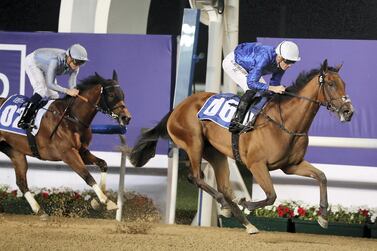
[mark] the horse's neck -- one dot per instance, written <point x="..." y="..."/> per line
<point x="85" y="111"/>
<point x="298" y="113"/>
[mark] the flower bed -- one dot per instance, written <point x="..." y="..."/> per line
<point x="358" y="222"/>
<point x="69" y="203"/>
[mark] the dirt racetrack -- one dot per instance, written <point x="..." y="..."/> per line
<point x="31" y="233"/>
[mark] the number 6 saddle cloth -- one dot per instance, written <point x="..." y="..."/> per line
<point x="220" y="109"/>
<point x="11" y="111"/>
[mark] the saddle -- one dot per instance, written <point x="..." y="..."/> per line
<point x="11" y="111"/>
<point x="220" y="109"/>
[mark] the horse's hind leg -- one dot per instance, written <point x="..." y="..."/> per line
<point x="90" y="159"/>
<point x="20" y="166"/>
<point x="73" y="159"/>
<point x="308" y="170"/>
<point x="220" y="165"/>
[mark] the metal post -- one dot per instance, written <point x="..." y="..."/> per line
<point x="122" y="173"/>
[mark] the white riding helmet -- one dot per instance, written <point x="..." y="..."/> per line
<point x="77" y="52"/>
<point x="288" y="50"/>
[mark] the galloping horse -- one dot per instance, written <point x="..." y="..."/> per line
<point x="279" y="139"/>
<point x="64" y="134"/>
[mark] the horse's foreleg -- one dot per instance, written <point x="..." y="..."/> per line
<point x="262" y="177"/>
<point x="90" y="159"/>
<point x="74" y="160"/>
<point x="308" y="170"/>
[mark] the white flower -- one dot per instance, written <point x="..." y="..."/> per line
<point x="87" y="197"/>
<point x="373" y="217"/>
<point x="295" y="211"/>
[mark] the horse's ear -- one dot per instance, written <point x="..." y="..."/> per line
<point x="324" y="66"/>
<point x="338" y="67"/>
<point x="115" y="75"/>
<point x="97" y="75"/>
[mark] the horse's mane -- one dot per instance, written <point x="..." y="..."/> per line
<point x="90" y="82"/>
<point x="303" y="79"/>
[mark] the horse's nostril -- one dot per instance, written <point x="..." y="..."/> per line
<point x="126" y="119"/>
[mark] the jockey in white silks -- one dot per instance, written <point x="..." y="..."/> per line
<point x="42" y="66"/>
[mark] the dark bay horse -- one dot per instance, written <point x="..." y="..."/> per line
<point x="65" y="134"/>
<point x="279" y="140"/>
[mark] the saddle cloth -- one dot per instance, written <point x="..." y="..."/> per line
<point x="11" y="111"/>
<point x="220" y="109"/>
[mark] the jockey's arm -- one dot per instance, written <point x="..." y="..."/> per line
<point x="50" y="78"/>
<point x="275" y="80"/>
<point x="255" y="75"/>
<point x="72" y="81"/>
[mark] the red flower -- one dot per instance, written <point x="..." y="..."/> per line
<point x="45" y="195"/>
<point x="301" y="211"/>
<point x="364" y="212"/>
<point x="77" y="196"/>
<point x="14" y="193"/>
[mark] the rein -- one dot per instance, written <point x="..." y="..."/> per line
<point x="327" y="104"/>
<point x="107" y="111"/>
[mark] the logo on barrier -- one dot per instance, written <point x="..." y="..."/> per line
<point x="12" y="71"/>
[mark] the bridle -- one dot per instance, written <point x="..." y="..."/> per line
<point x="107" y="110"/>
<point x="329" y="104"/>
<point x="103" y="107"/>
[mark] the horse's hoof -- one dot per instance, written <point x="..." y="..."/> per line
<point x="44" y="217"/>
<point x="95" y="205"/>
<point x="251" y="229"/>
<point x="226" y="212"/>
<point x="323" y="222"/>
<point x="111" y="205"/>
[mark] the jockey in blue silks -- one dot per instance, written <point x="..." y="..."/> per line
<point x="248" y="63"/>
<point x="42" y="66"/>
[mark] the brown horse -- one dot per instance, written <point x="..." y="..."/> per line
<point x="279" y="139"/>
<point x="64" y="134"/>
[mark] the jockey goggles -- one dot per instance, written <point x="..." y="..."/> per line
<point x="289" y="61"/>
<point x="78" y="62"/>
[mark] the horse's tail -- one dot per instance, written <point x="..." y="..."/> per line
<point x="145" y="147"/>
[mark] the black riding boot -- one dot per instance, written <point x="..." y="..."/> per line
<point x="29" y="112"/>
<point x="244" y="104"/>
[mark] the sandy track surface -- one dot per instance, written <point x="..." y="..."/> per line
<point x="31" y="233"/>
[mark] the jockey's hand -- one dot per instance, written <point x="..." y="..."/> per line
<point x="72" y="92"/>
<point x="277" y="89"/>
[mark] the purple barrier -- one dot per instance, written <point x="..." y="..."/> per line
<point x="143" y="62"/>
<point x="358" y="61"/>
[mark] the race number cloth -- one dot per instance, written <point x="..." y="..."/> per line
<point x="11" y="111"/>
<point x="220" y="109"/>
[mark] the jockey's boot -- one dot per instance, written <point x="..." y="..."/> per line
<point x="236" y="125"/>
<point x="29" y="112"/>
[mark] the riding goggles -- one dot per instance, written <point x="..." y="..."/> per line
<point x="289" y="61"/>
<point x="78" y="62"/>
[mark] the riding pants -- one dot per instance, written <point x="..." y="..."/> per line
<point x="236" y="72"/>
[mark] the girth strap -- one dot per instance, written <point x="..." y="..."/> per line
<point x="32" y="143"/>
<point x="235" y="149"/>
